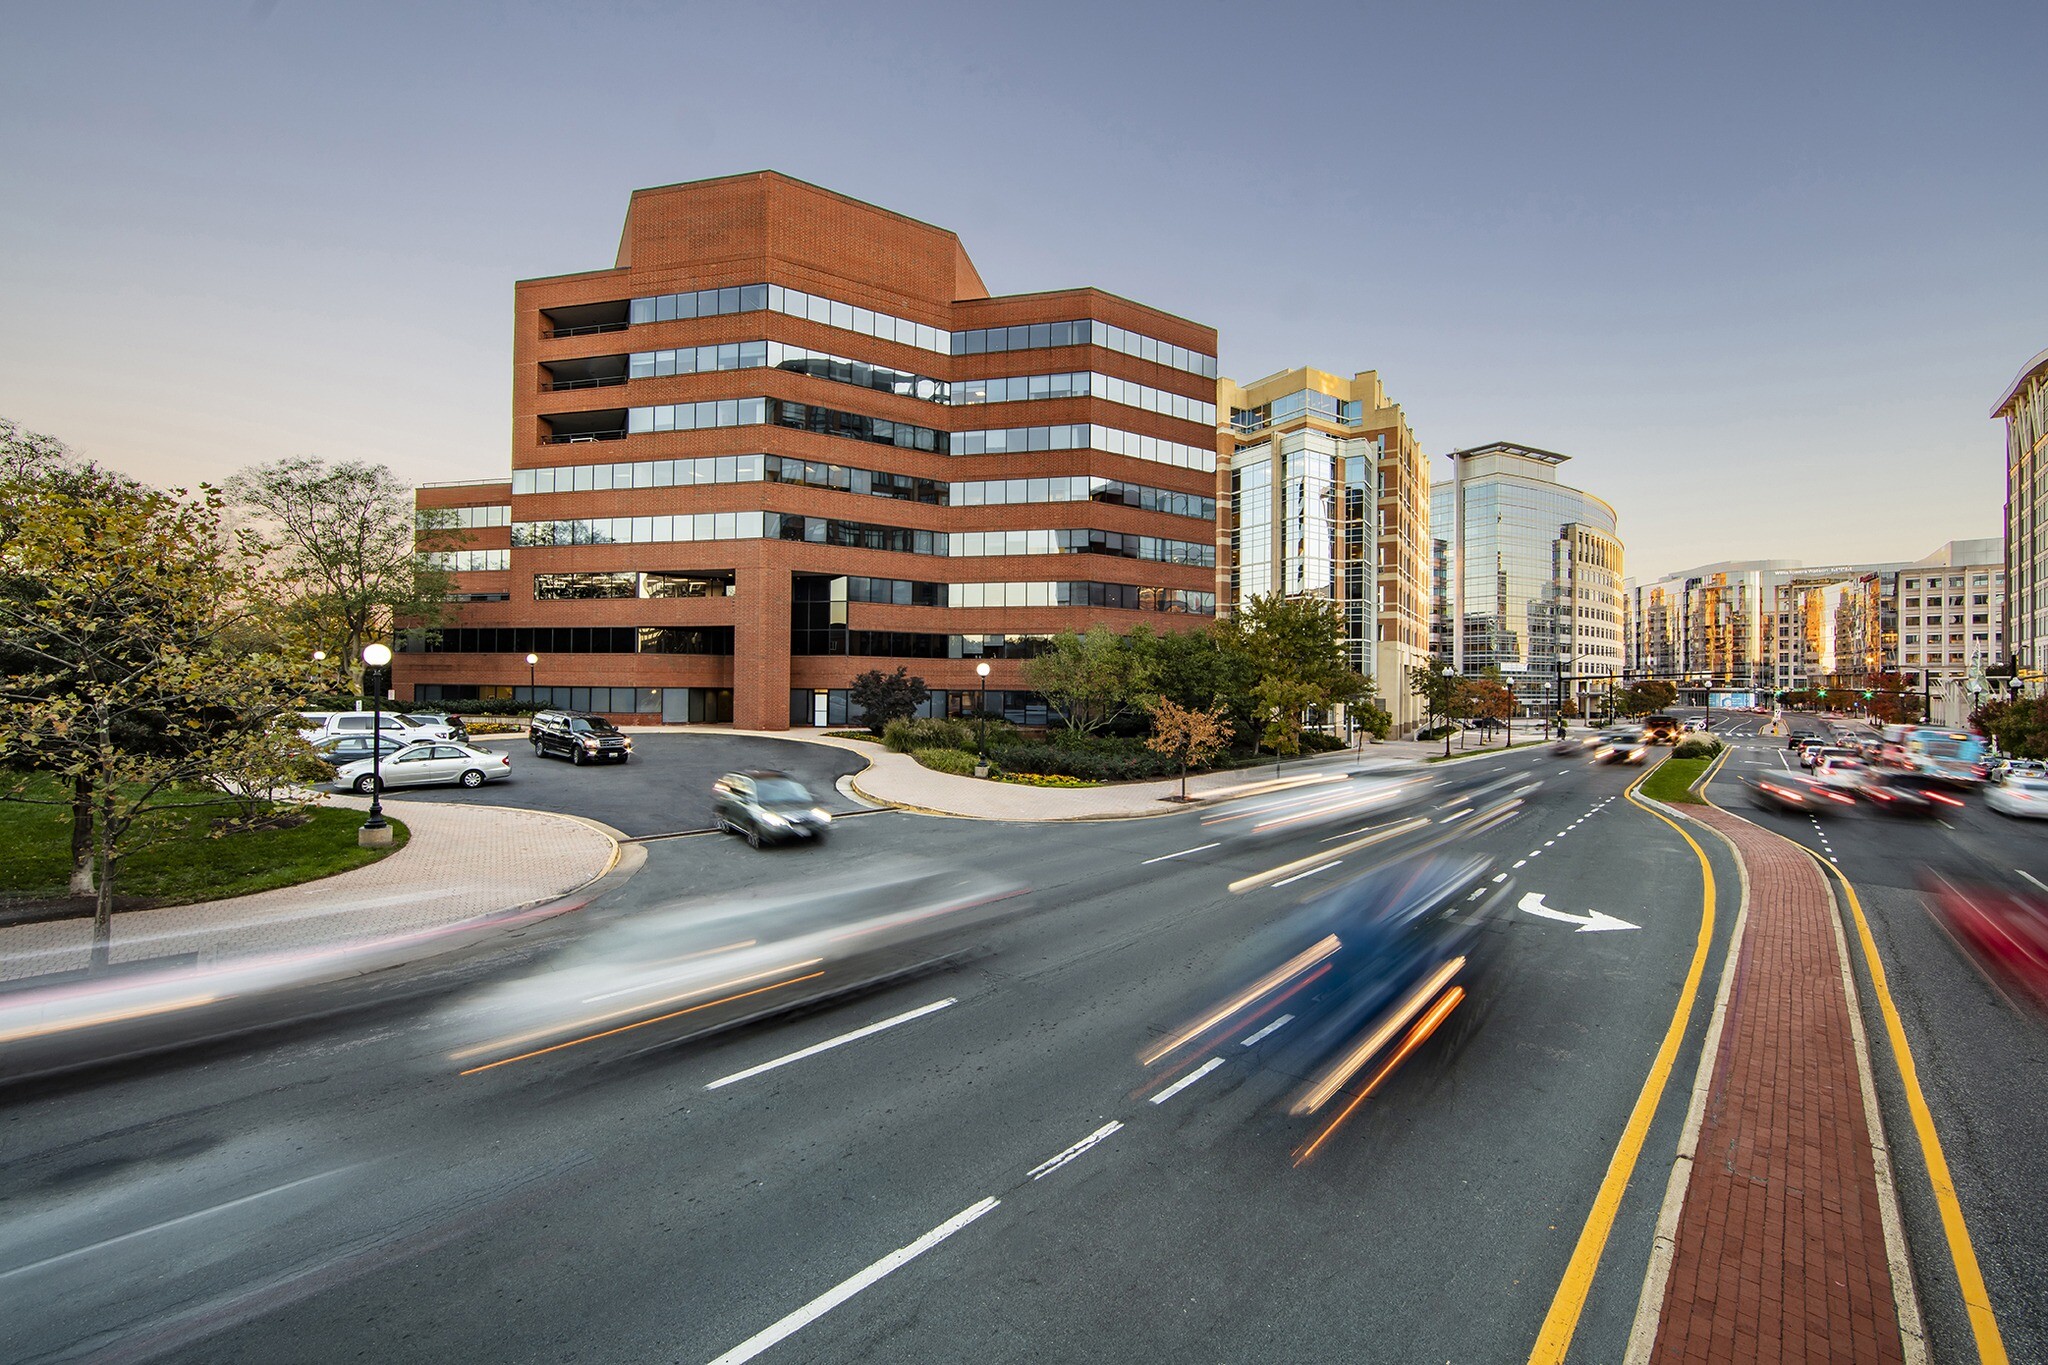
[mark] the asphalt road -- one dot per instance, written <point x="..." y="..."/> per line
<point x="1982" y="1059"/>
<point x="664" y="789"/>
<point x="341" y="1193"/>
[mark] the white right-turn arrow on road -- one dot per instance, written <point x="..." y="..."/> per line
<point x="1592" y="922"/>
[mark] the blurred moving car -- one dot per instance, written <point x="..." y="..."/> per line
<point x="1899" y="793"/>
<point x="1291" y="806"/>
<point x="1843" y="772"/>
<point x="578" y="737"/>
<point x="696" y="966"/>
<point x="1661" y="728"/>
<point x="2023" y="794"/>
<point x="2005" y="930"/>
<point x="768" y="807"/>
<point x="1621" y="746"/>
<point x="1790" y="792"/>
<point x="1812" y="754"/>
<point x="424" y="764"/>
<point x="1348" y="984"/>
<point x="338" y="751"/>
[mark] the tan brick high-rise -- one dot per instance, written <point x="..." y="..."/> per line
<point x="789" y="437"/>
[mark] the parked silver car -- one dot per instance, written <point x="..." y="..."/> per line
<point x="419" y="765"/>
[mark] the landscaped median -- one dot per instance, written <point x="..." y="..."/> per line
<point x="1672" y="780"/>
<point x="184" y="856"/>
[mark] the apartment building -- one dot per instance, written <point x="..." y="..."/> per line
<point x="1323" y="492"/>
<point x="1951" y="611"/>
<point x="788" y="437"/>
<point x="1834" y="626"/>
<point x="1706" y="629"/>
<point x="1527" y="575"/>
<point x="2024" y="408"/>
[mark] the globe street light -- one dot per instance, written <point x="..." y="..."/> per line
<point x="981" y="719"/>
<point x="531" y="661"/>
<point x="375" y="833"/>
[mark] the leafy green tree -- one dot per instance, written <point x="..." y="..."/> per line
<point x="127" y="614"/>
<point x="1095" y="679"/>
<point x="1296" y="646"/>
<point x="1206" y="668"/>
<point x="345" y="559"/>
<point x="2019" y="725"/>
<point x="883" y="697"/>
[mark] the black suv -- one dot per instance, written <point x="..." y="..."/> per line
<point x="578" y="738"/>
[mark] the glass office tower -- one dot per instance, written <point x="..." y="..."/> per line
<point x="1531" y="577"/>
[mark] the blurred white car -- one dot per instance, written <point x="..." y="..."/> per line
<point x="1841" y="772"/>
<point x="423" y="764"/>
<point x="2020" y="795"/>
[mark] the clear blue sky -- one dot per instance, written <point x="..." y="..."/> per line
<point x="1760" y="269"/>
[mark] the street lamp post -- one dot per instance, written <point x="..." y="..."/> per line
<point x="375" y="833"/>
<point x="1557" y="705"/>
<point x="532" y="660"/>
<point x="981" y="722"/>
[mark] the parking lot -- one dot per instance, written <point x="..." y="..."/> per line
<point x="665" y="789"/>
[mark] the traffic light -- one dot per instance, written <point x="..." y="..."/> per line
<point x="1823" y="692"/>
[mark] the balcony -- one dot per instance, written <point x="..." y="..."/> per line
<point x="594" y="372"/>
<point x="571" y="428"/>
<point x="586" y="319"/>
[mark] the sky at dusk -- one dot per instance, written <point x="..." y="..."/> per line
<point x="1760" y="270"/>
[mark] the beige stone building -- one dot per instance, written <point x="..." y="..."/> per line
<point x="1322" y="491"/>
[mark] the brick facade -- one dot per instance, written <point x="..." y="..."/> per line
<point x="766" y="229"/>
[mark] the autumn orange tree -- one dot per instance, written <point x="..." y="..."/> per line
<point x="1487" y="699"/>
<point x="1188" y="736"/>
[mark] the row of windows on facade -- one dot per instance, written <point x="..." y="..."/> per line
<point x="1981" y="599"/>
<point x="545" y="640"/>
<point x="555" y="587"/>
<point x="1956" y="581"/>
<point x="693" y="705"/>
<point x="740" y="412"/>
<point x="1305" y="402"/>
<point x="848" y="317"/>
<point x="719" y="469"/>
<point x="706" y="526"/>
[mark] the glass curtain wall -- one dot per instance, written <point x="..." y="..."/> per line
<point x="1251" y="514"/>
<point x="1517" y="576"/>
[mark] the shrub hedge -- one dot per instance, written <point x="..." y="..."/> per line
<point x="1098" y="760"/>
<point x="946" y="761"/>
<point x="907" y="736"/>
<point x="1697" y="748"/>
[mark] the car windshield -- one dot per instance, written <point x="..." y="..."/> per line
<point x="781" y="791"/>
<point x="595" y="725"/>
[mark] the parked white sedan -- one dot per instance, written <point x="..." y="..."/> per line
<point x="2018" y="795"/>
<point x="421" y="764"/>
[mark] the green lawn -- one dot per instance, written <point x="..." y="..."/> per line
<point x="1670" y="780"/>
<point x="189" y="863"/>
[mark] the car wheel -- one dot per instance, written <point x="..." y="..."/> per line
<point x="472" y="777"/>
<point x="753" y="838"/>
<point x="367" y="784"/>
<point x="575" y="758"/>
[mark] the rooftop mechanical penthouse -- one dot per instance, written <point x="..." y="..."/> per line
<point x="789" y="437"/>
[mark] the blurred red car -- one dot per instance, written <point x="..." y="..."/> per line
<point x="2005" y="930"/>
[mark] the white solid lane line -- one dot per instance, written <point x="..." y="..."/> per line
<point x="1182" y="854"/>
<point x="2032" y="878"/>
<point x="846" y="1289"/>
<point x="169" y="1223"/>
<point x="1310" y="873"/>
<point x="815" y="1048"/>
<point x="1284" y="1020"/>
<point x="1053" y="1163"/>
<point x="1184" y="1082"/>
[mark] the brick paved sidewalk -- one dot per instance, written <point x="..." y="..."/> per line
<point x="1780" y="1248"/>
<point x="462" y="862"/>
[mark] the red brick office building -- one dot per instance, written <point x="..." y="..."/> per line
<point x="789" y="437"/>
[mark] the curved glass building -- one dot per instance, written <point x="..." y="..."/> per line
<point x="1527" y="576"/>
